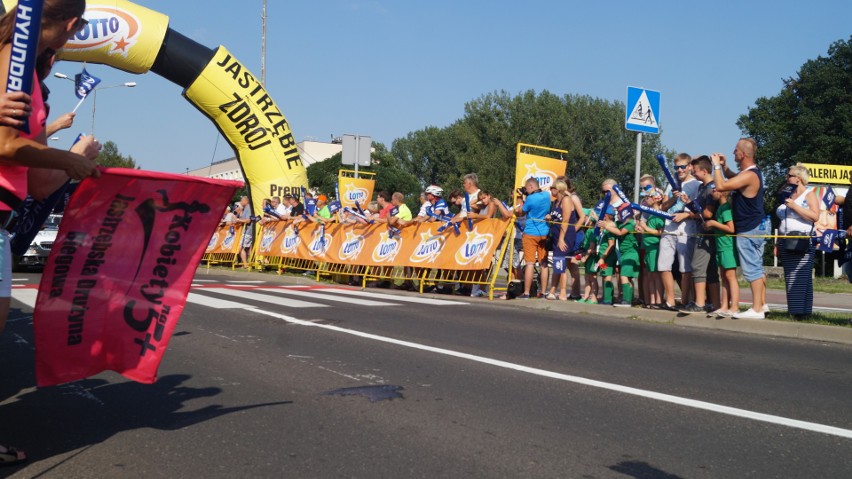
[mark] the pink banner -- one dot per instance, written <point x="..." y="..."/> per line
<point x="117" y="278"/>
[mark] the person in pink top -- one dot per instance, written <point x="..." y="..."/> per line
<point x="27" y="164"/>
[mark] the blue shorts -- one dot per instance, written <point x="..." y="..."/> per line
<point x="750" y="252"/>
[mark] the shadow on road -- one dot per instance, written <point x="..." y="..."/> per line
<point x="641" y="470"/>
<point x="55" y="420"/>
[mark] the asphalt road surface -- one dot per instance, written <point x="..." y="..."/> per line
<point x="447" y="387"/>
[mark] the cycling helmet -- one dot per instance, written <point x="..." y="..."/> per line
<point x="435" y="190"/>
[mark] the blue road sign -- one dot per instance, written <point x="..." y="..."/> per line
<point x="643" y="110"/>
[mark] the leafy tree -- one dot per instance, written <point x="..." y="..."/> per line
<point x="110" y="157"/>
<point x="390" y="175"/>
<point x="484" y="141"/>
<point x="809" y="120"/>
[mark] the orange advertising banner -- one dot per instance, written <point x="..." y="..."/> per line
<point x="543" y="168"/>
<point x="355" y="189"/>
<point x="417" y="246"/>
<point x="225" y="240"/>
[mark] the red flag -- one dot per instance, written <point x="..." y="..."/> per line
<point x="119" y="272"/>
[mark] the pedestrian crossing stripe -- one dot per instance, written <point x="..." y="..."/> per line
<point x="312" y="297"/>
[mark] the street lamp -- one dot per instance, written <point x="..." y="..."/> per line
<point x="129" y="84"/>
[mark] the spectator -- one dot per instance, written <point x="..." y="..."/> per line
<point x="607" y="255"/>
<point x="297" y="209"/>
<point x="726" y="257"/>
<point x="534" y="204"/>
<point x="471" y="188"/>
<point x="705" y="273"/>
<point x="22" y="152"/>
<point x="647" y="187"/>
<point x="244" y="218"/>
<point x="845" y="203"/>
<point x="228" y="217"/>
<point x="624" y="232"/>
<point x="403" y="214"/>
<point x="748" y="212"/>
<point x="573" y="267"/>
<point x="383" y="200"/>
<point x="563" y="229"/>
<point x="651" y="227"/>
<point x="678" y="239"/>
<point x="422" y="214"/>
<point x="798" y="213"/>
<point x="590" y="265"/>
<point x="323" y="214"/>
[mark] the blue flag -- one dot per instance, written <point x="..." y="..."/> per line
<point x="84" y="83"/>
<point x="828" y="198"/>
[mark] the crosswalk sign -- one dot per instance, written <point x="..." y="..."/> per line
<point x="643" y="110"/>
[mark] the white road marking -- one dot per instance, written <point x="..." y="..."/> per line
<point x="246" y="281"/>
<point x="19" y="279"/>
<point x="265" y="298"/>
<point x="328" y="297"/>
<point x="693" y="403"/>
<point x="215" y="303"/>
<point x="393" y="297"/>
<point x="25" y="295"/>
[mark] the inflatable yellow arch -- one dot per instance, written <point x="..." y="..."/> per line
<point x="135" y="39"/>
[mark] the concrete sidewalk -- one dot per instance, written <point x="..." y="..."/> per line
<point x="765" y="327"/>
<point x="833" y="302"/>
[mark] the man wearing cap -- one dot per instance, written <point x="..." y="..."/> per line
<point x="323" y="214"/>
<point x="705" y="273"/>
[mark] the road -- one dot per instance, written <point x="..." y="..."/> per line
<point x="488" y="390"/>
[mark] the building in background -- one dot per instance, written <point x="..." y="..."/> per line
<point x="310" y="151"/>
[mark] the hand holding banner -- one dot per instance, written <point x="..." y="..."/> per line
<point x="672" y="180"/>
<point x="652" y="211"/>
<point x="84" y="83"/>
<point x="25" y="38"/>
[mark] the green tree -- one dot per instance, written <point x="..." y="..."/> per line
<point x="390" y="175"/>
<point x="484" y="142"/>
<point x="809" y="120"/>
<point x="111" y="157"/>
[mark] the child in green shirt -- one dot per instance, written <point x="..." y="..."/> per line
<point x="651" y="229"/>
<point x="726" y="255"/>
<point x="628" y="248"/>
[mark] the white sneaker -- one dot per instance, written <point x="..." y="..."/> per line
<point x="765" y="308"/>
<point x="749" y="314"/>
<point x="720" y="313"/>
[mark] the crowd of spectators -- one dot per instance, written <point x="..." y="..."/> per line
<point x="692" y="238"/>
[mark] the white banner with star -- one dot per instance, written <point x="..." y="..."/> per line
<point x="416" y="246"/>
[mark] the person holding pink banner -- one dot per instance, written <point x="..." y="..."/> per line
<point x="61" y="19"/>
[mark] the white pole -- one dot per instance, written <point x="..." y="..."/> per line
<point x="638" y="167"/>
<point x="263" y="47"/>
<point x="94" y="105"/>
<point x="357" y="154"/>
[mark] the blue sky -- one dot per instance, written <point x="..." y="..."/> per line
<point x="385" y="68"/>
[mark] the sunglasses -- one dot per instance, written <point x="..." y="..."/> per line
<point x="80" y="24"/>
<point x="681" y="167"/>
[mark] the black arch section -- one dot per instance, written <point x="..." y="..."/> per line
<point x="181" y="59"/>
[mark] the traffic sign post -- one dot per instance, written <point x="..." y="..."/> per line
<point x="356" y="151"/>
<point x="642" y="116"/>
